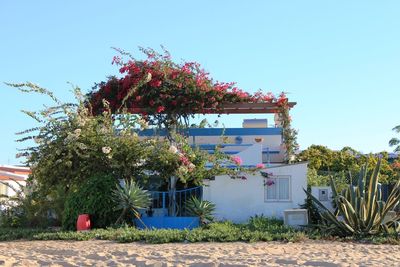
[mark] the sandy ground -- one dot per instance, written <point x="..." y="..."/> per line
<point x="106" y="253"/>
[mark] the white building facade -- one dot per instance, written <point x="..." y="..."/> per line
<point x="255" y="143"/>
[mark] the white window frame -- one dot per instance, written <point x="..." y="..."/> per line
<point x="277" y="199"/>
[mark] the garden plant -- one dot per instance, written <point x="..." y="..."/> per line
<point x="360" y="208"/>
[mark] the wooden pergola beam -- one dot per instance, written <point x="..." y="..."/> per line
<point x="239" y="108"/>
<point x="249" y="108"/>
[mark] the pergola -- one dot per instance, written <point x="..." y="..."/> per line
<point x="239" y="108"/>
<point x="250" y="108"/>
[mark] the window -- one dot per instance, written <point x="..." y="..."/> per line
<point x="277" y="188"/>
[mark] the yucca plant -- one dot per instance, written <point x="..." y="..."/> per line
<point x="360" y="208"/>
<point x="130" y="198"/>
<point x="203" y="209"/>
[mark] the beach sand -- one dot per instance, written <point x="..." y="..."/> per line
<point x="107" y="253"/>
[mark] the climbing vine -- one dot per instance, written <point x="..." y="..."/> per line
<point x="289" y="134"/>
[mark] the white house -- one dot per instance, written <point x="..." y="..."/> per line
<point x="238" y="199"/>
<point x="255" y="143"/>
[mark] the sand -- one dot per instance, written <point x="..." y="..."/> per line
<point x="107" y="253"/>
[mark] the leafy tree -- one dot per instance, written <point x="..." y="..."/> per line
<point x="343" y="165"/>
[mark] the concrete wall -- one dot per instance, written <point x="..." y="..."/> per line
<point x="237" y="199"/>
<point x="317" y="191"/>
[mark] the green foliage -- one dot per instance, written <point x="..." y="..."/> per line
<point x="130" y="198"/>
<point x="203" y="209"/>
<point x="71" y="145"/>
<point x="12" y="212"/>
<point x="22" y="210"/>
<point x="314" y="218"/>
<point x="361" y="207"/>
<point x="289" y="134"/>
<point x="257" y="229"/>
<point x="342" y="165"/>
<point x="262" y="223"/>
<point x="92" y="197"/>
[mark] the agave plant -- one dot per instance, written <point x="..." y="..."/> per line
<point x="130" y="197"/>
<point x="201" y="208"/>
<point x="360" y="208"/>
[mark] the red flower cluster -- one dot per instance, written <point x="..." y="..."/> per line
<point x="396" y="165"/>
<point x="158" y="85"/>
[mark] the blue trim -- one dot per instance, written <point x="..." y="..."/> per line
<point x="271" y="151"/>
<point x="216" y="131"/>
<point x="231" y="152"/>
<point x="152" y="132"/>
<point x="225" y="152"/>
<point x="179" y="191"/>
<point x="234" y="131"/>
<point x="213" y="146"/>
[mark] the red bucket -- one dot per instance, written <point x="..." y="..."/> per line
<point x="83" y="222"/>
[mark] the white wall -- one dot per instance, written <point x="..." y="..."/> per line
<point x="273" y="142"/>
<point x="315" y="190"/>
<point x="237" y="199"/>
<point x="11" y="192"/>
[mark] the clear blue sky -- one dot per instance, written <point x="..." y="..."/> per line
<point x="340" y="60"/>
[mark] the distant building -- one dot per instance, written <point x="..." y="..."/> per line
<point x="12" y="175"/>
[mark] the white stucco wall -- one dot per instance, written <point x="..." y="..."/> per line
<point x="315" y="191"/>
<point x="273" y="142"/>
<point x="237" y="199"/>
<point x="11" y="192"/>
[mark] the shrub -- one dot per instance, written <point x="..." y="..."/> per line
<point x="201" y="208"/>
<point x="93" y="197"/>
<point x="360" y="207"/>
<point x="130" y="198"/>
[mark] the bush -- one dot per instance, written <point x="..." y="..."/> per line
<point x="260" y="229"/>
<point x="360" y="208"/>
<point x="203" y="209"/>
<point x="93" y="197"/>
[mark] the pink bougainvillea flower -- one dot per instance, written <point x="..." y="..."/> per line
<point x="260" y="166"/>
<point x="237" y="160"/>
<point x="185" y="160"/>
<point x="270" y="182"/>
<point x="160" y="109"/>
<point x="116" y="60"/>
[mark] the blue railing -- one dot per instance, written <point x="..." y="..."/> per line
<point x="161" y="199"/>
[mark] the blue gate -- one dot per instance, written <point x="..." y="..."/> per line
<point x="160" y="199"/>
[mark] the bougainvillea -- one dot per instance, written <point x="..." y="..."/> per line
<point x="167" y="94"/>
<point x="164" y="91"/>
